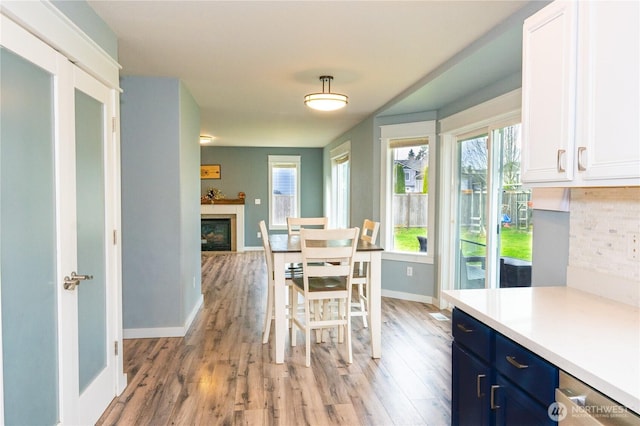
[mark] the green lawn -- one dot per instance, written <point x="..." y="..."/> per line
<point x="515" y="243"/>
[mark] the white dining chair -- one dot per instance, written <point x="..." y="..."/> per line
<point x="360" y="278"/>
<point x="295" y="224"/>
<point x="268" y="255"/>
<point x="327" y="270"/>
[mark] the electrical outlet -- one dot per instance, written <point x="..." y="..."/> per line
<point x="259" y="234"/>
<point x="257" y="201"/>
<point x="633" y="247"/>
<point x="409" y="271"/>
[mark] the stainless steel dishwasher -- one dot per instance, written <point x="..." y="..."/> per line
<point x="577" y="404"/>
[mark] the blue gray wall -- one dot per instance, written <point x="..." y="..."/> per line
<point x="247" y="170"/>
<point x="88" y="20"/>
<point x="550" y="248"/>
<point x="160" y="168"/>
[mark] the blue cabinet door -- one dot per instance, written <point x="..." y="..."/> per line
<point x="512" y="406"/>
<point x="469" y="388"/>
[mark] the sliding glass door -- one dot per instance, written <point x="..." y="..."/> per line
<point x="494" y="229"/>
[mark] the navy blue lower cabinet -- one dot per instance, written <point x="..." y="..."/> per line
<point x="512" y="406"/>
<point x="494" y="380"/>
<point x="470" y="389"/>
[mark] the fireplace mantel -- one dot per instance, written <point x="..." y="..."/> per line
<point x="228" y="210"/>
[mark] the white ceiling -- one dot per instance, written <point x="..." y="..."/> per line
<point x="249" y="64"/>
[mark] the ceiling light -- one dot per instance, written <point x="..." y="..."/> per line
<point x="326" y="101"/>
<point x="205" y="139"/>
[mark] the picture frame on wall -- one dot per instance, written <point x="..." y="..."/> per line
<point x="210" y="171"/>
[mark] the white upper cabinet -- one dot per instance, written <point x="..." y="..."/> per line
<point x="581" y="94"/>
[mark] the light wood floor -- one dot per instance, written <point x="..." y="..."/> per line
<point x="221" y="373"/>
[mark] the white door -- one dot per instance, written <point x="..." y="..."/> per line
<point x="58" y="337"/>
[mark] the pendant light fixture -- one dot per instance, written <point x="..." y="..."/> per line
<point x="326" y="101"/>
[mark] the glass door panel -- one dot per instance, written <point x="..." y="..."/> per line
<point x="472" y="205"/>
<point x="90" y="207"/>
<point x="28" y="246"/>
<point x="514" y="205"/>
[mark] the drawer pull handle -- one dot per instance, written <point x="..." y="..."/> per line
<point x="464" y="329"/>
<point x="512" y="361"/>
<point x="493" y="397"/>
<point x="478" y="391"/>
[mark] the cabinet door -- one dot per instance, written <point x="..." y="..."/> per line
<point x="511" y="406"/>
<point x="548" y="93"/>
<point x="470" y="389"/>
<point x="608" y="133"/>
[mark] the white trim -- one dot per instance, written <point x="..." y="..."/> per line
<point x="156" y="332"/>
<point x="408" y="296"/>
<point x="49" y="24"/>
<point x="341" y="150"/>
<point x="407" y="257"/>
<point x="193" y="313"/>
<point x="419" y="129"/>
<point x="502" y="110"/>
<point x="503" y="107"/>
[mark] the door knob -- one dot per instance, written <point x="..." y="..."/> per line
<point x="70" y="283"/>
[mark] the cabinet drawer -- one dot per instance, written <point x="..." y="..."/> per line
<point x="472" y="334"/>
<point x="533" y="374"/>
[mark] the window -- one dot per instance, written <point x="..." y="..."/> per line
<point x="284" y="189"/>
<point x="340" y="186"/>
<point x="408" y="172"/>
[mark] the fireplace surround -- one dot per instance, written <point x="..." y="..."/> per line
<point x="233" y="212"/>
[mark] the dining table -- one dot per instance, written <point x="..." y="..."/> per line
<point x="286" y="250"/>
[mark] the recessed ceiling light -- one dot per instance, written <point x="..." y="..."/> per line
<point x="205" y="139"/>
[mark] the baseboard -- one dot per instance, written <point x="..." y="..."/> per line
<point x="193" y="313"/>
<point x="156" y="332"/>
<point x="408" y="296"/>
<point x="256" y="248"/>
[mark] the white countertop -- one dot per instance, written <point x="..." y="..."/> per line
<point x="592" y="338"/>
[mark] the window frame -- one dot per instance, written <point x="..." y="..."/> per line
<point x="278" y="161"/>
<point x="389" y="133"/>
<point x="335" y="154"/>
<point x="493" y="112"/>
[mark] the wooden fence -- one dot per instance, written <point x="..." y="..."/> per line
<point x="410" y="210"/>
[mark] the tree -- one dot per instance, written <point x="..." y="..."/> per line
<point x="511" y="157"/>
<point x="425" y="180"/>
<point x="399" y="187"/>
<point x="412" y="155"/>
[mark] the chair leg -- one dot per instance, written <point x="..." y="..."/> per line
<point x="363" y="305"/>
<point x="307" y="332"/>
<point x="349" y="348"/>
<point x="269" y="315"/>
<point x="342" y="311"/>
<point x="294" y="313"/>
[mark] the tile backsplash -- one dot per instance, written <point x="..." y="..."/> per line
<point x="603" y="223"/>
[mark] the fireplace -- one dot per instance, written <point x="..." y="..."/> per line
<point x="232" y="213"/>
<point x="215" y="234"/>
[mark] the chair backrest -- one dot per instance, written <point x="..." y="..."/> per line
<point x="328" y="253"/>
<point x="369" y="231"/>
<point x="267" y="248"/>
<point x="295" y="224"/>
